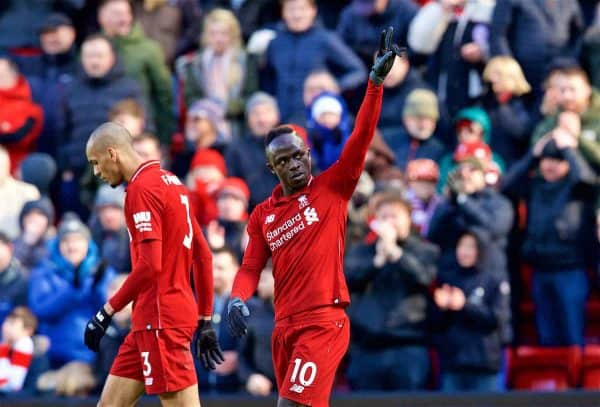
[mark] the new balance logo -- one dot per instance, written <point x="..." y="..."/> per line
<point x="143" y="222"/>
<point x="269" y="219"/>
<point x="310" y="215"/>
<point x="297" y="388"/>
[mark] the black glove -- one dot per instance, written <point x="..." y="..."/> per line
<point x="237" y="317"/>
<point x="207" y="346"/>
<point x="95" y="329"/>
<point x="384" y="60"/>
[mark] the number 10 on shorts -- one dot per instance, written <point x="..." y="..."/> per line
<point x="305" y="373"/>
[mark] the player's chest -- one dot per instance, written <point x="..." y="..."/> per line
<point x="297" y="219"/>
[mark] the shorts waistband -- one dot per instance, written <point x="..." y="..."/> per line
<point x="325" y="313"/>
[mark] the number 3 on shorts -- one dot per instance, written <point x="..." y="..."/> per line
<point x="147" y="367"/>
<point x="302" y="370"/>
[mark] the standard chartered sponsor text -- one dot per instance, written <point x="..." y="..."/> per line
<point x="284" y="232"/>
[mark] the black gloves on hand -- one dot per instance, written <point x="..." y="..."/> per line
<point x="384" y="60"/>
<point x="207" y="346"/>
<point x="95" y="329"/>
<point x="237" y="316"/>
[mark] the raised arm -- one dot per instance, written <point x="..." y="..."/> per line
<point x="344" y="174"/>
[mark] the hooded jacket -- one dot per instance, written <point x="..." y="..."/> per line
<point x="21" y="121"/>
<point x="143" y="61"/>
<point x="63" y="297"/>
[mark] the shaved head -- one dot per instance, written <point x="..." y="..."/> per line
<point x="109" y="134"/>
<point x="110" y="152"/>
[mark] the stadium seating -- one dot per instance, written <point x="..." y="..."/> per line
<point x="590" y="367"/>
<point x="544" y="369"/>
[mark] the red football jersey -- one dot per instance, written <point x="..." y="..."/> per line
<point x="304" y="233"/>
<point x="157" y="207"/>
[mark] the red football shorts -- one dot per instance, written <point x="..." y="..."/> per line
<point x="307" y="350"/>
<point x="159" y="358"/>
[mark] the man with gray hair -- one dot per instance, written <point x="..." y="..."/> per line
<point x="262" y="114"/>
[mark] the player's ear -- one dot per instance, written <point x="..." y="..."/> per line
<point x="112" y="153"/>
<point x="270" y="167"/>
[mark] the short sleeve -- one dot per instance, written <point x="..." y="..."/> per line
<point x="145" y="211"/>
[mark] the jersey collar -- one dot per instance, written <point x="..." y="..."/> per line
<point x="277" y="196"/>
<point x="142" y="167"/>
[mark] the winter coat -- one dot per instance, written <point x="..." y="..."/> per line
<point x="21" y="121"/>
<point x="13" y="288"/>
<point x="511" y="127"/>
<point x="361" y="33"/>
<point x="326" y="144"/>
<point x="246" y="159"/>
<point x="589" y="139"/>
<point x="535" y="33"/>
<point x="389" y="305"/>
<point x="441" y="35"/>
<point x="64" y="298"/>
<point x="20" y="21"/>
<point x="190" y="74"/>
<point x="87" y="103"/>
<point x="49" y="77"/>
<point x="174" y="25"/>
<point x="406" y="148"/>
<point x="560" y="230"/>
<point x="472" y="339"/>
<point x="291" y="57"/>
<point x="485" y="209"/>
<point x="255" y="346"/>
<point x="144" y="61"/>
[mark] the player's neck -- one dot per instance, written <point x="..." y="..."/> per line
<point x="130" y="165"/>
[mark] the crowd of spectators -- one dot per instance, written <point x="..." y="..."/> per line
<point x="485" y="164"/>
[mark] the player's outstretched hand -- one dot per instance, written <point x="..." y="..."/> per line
<point x="384" y="60"/>
<point x="207" y="345"/>
<point x="95" y="329"/>
<point x="237" y="317"/>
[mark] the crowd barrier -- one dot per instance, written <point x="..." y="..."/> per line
<point x="510" y="399"/>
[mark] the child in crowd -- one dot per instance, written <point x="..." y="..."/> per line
<point x="16" y="348"/>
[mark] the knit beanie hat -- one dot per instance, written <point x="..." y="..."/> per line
<point x="42" y="205"/>
<point x="208" y="157"/>
<point x="72" y="224"/>
<point x="421" y="103"/>
<point x="39" y="169"/>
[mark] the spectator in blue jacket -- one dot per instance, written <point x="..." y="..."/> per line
<point x="66" y="289"/>
<point x="535" y="33"/>
<point x="13" y="279"/>
<point x="50" y="73"/>
<point x="420" y="116"/>
<point x="329" y="125"/>
<point x="362" y="21"/>
<point x="471" y="316"/>
<point x="300" y="47"/>
<point x="559" y="236"/>
<point x="88" y="100"/>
